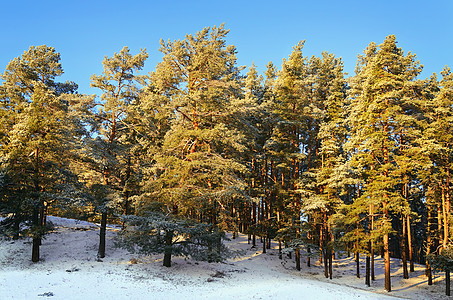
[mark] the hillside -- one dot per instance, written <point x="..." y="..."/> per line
<point x="69" y="270"/>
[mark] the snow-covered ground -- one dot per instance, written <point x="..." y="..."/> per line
<point x="69" y="270"/>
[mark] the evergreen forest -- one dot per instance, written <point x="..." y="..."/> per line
<point x="300" y="155"/>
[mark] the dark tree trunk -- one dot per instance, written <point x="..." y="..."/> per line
<point x="101" y="251"/>
<point x="16" y="227"/>
<point x="127" y="206"/>
<point x="308" y="247"/>
<point x="35" y="250"/>
<point x="429" y="274"/>
<point x="168" y="248"/>
<point x="372" y="262"/>
<point x="371" y="243"/>
<point x="367" y="270"/>
<point x="42" y="218"/>
<point x="297" y="254"/>
<point x="35" y="217"/>
<point x="447" y="283"/>
<point x="357" y="262"/>
<point x="254" y="223"/>
<point x="330" y="264"/>
<point x="403" y="250"/>
<point x="36" y="239"/>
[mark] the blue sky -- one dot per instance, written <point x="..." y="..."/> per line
<point x="86" y="31"/>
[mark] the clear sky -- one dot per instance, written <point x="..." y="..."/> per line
<point x="86" y="31"/>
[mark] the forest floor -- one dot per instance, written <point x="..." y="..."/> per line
<point x="69" y="269"/>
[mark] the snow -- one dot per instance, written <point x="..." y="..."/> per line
<point x="69" y="269"/>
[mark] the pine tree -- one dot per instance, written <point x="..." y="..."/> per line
<point x="284" y="146"/>
<point x="159" y="233"/>
<point x="380" y="97"/>
<point x="324" y="197"/>
<point x="113" y="131"/>
<point x="39" y="124"/>
<point x="253" y="97"/>
<point x="198" y="171"/>
<point x="437" y="142"/>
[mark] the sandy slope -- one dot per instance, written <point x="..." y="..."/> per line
<point x="69" y="270"/>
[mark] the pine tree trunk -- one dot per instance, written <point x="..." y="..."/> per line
<point x="254" y="223"/>
<point x="357" y="262"/>
<point x="403" y="250"/>
<point x="409" y="242"/>
<point x="321" y="246"/>
<point x="367" y="270"/>
<point x="16" y="227"/>
<point x="308" y="247"/>
<point x="36" y="239"/>
<point x="168" y="249"/>
<point x="35" y="219"/>
<point x="428" y="272"/>
<point x="372" y="262"/>
<point x="446" y="212"/>
<point x="325" y="247"/>
<point x="388" y="286"/>
<point x="127" y="208"/>
<point x="371" y="244"/>
<point x="297" y="254"/>
<point x="233" y="217"/>
<point x="444" y="218"/>
<point x="101" y="251"/>
<point x="447" y="194"/>
<point x="330" y="264"/>
<point x="42" y="218"/>
<point x="439" y="227"/>
<point x="447" y="283"/>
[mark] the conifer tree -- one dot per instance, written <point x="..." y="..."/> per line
<point x="380" y="97"/>
<point x="323" y="197"/>
<point x="284" y="147"/>
<point x="110" y="147"/>
<point x="253" y="95"/>
<point x="437" y="142"/>
<point x="198" y="171"/>
<point x="37" y="117"/>
<point x="154" y="232"/>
